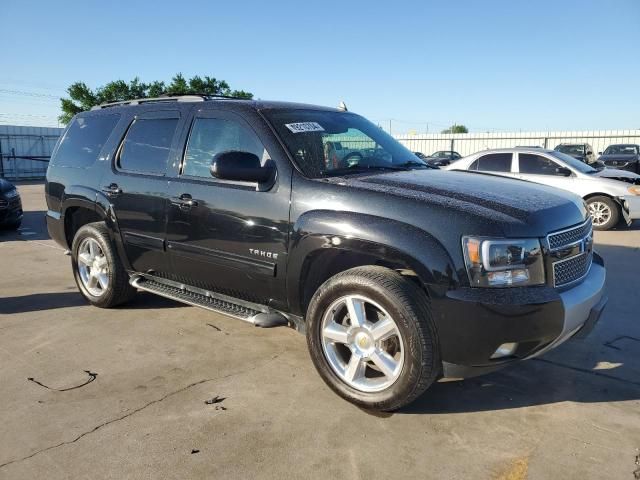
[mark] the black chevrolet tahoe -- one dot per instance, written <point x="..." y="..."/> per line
<point x="398" y="273"/>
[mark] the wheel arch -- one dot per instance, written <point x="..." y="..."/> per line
<point x="325" y="243"/>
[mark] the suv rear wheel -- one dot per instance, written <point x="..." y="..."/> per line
<point x="372" y="338"/>
<point x="97" y="269"/>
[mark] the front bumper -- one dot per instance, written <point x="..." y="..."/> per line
<point x="630" y="207"/>
<point x="11" y="212"/>
<point x="473" y="323"/>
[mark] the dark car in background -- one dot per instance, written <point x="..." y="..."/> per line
<point x="580" y="151"/>
<point x="10" y="205"/>
<point x="440" y="158"/>
<point x="622" y="156"/>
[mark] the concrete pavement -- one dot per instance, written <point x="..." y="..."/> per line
<point x="152" y="365"/>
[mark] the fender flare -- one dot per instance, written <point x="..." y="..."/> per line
<point x="386" y="240"/>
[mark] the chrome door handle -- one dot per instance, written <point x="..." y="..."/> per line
<point x="185" y="202"/>
<point x="112" y="190"/>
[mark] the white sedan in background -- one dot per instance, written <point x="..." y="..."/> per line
<point x="609" y="193"/>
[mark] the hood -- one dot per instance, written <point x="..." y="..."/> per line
<point x="517" y="205"/>
<point x="621" y="175"/>
<point x="5" y="185"/>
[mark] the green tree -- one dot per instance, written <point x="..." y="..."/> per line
<point x="456" y="129"/>
<point x="82" y="98"/>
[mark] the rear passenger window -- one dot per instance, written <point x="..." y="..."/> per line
<point x="536" y="164"/>
<point x="146" y="147"/>
<point x="494" y="162"/>
<point x="210" y="136"/>
<point x="84" y="140"/>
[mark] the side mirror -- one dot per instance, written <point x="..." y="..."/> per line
<point x="241" y="166"/>
<point x="562" y="171"/>
<point x="599" y="153"/>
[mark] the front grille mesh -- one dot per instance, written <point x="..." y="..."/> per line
<point x="570" y="270"/>
<point x="562" y="239"/>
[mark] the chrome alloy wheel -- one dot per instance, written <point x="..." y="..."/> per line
<point x="600" y="213"/>
<point x="362" y="343"/>
<point x="93" y="267"/>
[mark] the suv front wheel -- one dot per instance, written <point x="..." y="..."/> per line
<point x="97" y="269"/>
<point x="372" y="338"/>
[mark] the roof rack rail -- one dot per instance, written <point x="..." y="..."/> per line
<point x="190" y="97"/>
<point x="140" y="101"/>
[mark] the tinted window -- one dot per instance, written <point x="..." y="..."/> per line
<point x="210" y="136"/>
<point x="621" y="150"/>
<point x="84" y="139"/>
<point x="494" y="162"/>
<point x="535" y="164"/>
<point x="311" y="136"/>
<point x="147" y="144"/>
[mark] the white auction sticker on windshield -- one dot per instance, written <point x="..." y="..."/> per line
<point x="302" y="127"/>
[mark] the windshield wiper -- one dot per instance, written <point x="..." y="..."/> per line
<point x="362" y="168"/>
<point x="413" y="163"/>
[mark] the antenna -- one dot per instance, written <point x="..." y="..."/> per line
<point x="342" y="106"/>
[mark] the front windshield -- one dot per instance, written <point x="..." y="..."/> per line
<point x="326" y="143"/>
<point x="621" y="150"/>
<point x="573" y="163"/>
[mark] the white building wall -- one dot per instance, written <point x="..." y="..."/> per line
<point x="468" y="143"/>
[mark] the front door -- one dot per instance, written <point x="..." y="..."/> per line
<point x="226" y="236"/>
<point x="541" y="169"/>
<point x="138" y="188"/>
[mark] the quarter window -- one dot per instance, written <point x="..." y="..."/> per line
<point x="146" y="147"/>
<point x="536" y="164"/>
<point x="84" y="140"/>
<point x="493" y="162"/>
<point x="210" y="136"/>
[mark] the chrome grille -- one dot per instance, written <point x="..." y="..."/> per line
<point x="3" y="204"/>
<point x="571" y="269"/>
<point x="571" y="236"/>
<point x="577" y="240"/>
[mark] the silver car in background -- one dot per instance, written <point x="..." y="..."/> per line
<point x="609" y="194"/>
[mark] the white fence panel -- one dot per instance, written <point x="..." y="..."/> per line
<point x="468" y="143"/>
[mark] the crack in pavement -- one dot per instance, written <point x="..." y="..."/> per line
<point x="587" y="371"/>
<point x="139" y="409"/>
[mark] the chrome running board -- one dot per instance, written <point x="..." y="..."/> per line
<point x="258" y="315"/>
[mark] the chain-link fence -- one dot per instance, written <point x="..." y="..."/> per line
<point x="25" y="151"/>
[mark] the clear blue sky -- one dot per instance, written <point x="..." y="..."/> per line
<point x="506" y="65"/>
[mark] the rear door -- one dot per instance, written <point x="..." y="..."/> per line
<point x="228" y="236"/>
<point x="138" y="187"/>
<point x="496" y="163"/>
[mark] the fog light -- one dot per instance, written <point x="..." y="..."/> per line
<point x="505" y="350"/>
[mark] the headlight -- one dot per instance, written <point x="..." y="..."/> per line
<point x="634" y="190"/>
<point x="11" y="193"/>
<point x="503" y="263"/>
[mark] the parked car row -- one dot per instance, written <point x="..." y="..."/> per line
<point x="609" y="194"/>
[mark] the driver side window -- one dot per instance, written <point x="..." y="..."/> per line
<point x="210" y="136"/>
<point x="537" y="165"/>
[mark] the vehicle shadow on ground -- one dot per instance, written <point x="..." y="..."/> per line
<point x="49" y="301"/>
<point x="33" y="228"/>
<point x="536" y="382"/>
<point x="574" y="372"/>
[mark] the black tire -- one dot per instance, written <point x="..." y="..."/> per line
<point x="408" y="306"/>
<point x="614" y="218"/>
<point x="118" y="290"/>
<point x="11" y="225"/>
